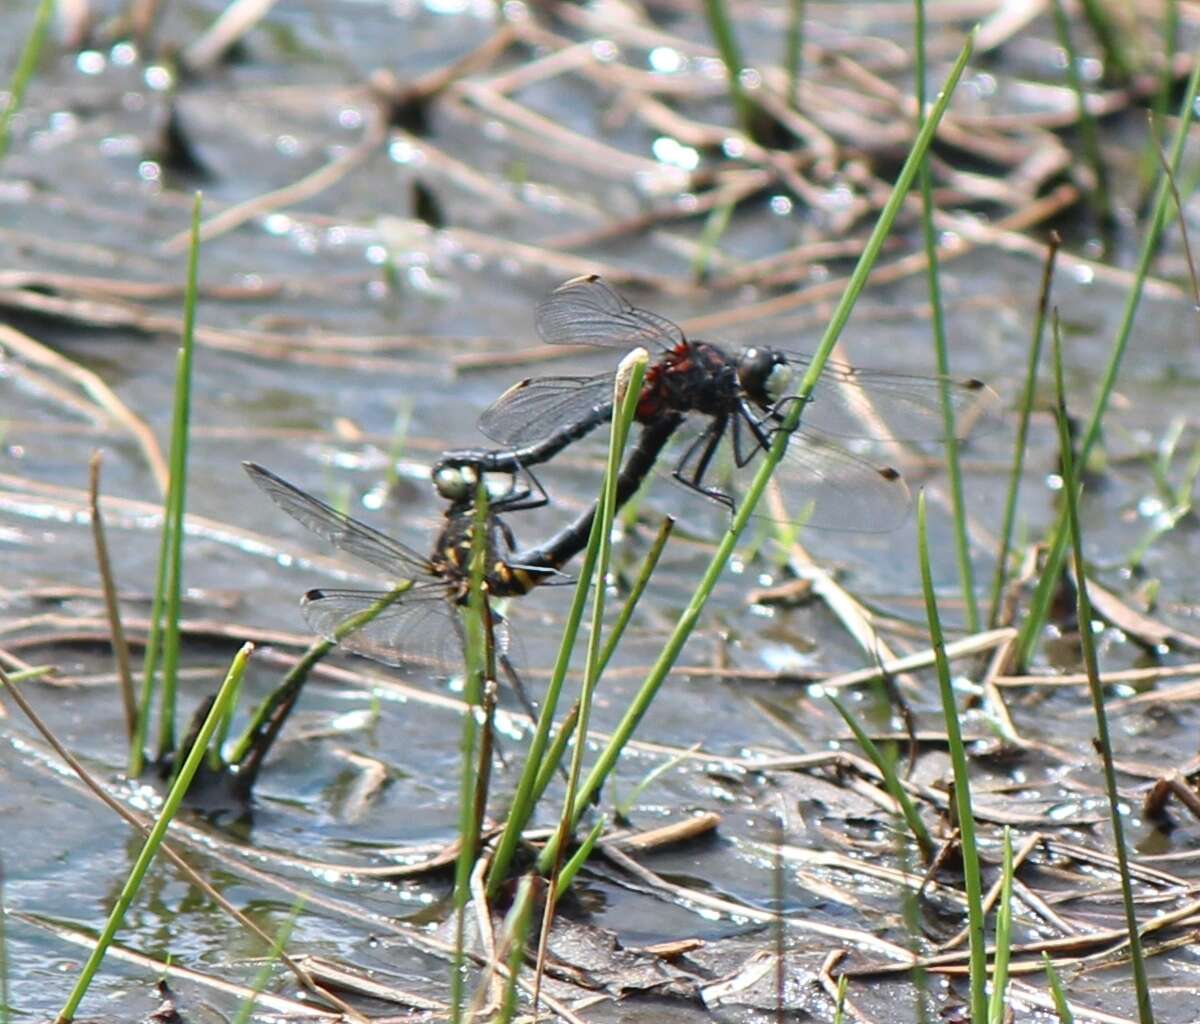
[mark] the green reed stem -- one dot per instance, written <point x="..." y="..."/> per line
<point x="1089" y="133"/>
<point x="170" y="807"/>
<point x="649" y="564"/>
<point x="1117" y="65"/>
<point x="691" y="614"/>
<point x="164" y="636"/>
<point x="627" y="394"/>
<point x="1056" y="555"/>
<point x="570" y="868"/>
<point x="962" y="781"/>
<point x="554" y="754"/>
<point x="1170" y="34"/>
<point x="472" y="795"/>
<point x="962" y="543"/>
<point x="996" y="1006"/>
<point x="26" y="64"/>
<point x="794" y="61"/>
<point x="721" y="27"/>
<point x="1061" y="1006"/>
<point x="1028" y="394"/>
<point x="715" y="225"/>
<point x="1071" y="489"/>
<point x="839" y="1004"/>
<point x="278" y="945"/>
<point x="180" y="435"/>
<point x="524" y="799"/>
<point x="516" y="927"/>
<point x="891" y="781"/>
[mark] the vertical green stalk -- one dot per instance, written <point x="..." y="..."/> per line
<point x="26" y="64"/>
<point x="1003" y="935"/>
<point x="962" y="543"/>
<point x="962" y="782"/>
<point x="157" y="833"/>
<point x="535" y="774"/>
<point x="891" y="781"/>
<point x="1026" y="409"/>
<point x="178" y="495"/>
<point x="1061" y="1006"/>
<point x="691" y="614"/>
<point x="727" y="46"/>
<point x="649" y="564"/>
<point x="1170" y="42"/>
<point x="167" y="544"/>
<point x="1089" y="134"/>
<point x="628" y="393"/>
<point x="277" y="947"/>
<point x="794" y="61"/>
<point x="1055" y="557"/>
<point x="1117" y="65"/>
<point x="1071" y="491"/>
<point x="477" y="634"/>
<point x="715" y="225"/>
<point x="516" y="927"/>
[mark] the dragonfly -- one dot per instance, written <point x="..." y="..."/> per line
<point x="414" y="624"/>
<point x="733" y="403"/>
<point x="422" y="621"/>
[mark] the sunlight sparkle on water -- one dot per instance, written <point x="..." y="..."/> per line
<point x="91" y="62"/>
<point x="404" y="152"/>
<point x="672" y="151"/>
<point x="665" y="59"/>
<point x="157" y="78"/>
<point x="605" y="51"/>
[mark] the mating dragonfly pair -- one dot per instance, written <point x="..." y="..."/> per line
<point x="719" y="409"/>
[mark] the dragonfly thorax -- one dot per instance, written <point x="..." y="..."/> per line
<point x="765" y="375"/>
<point x="694" y="377"/>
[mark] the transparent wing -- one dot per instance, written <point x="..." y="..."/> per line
<point x="537" y="407"/>
<point x="829" y="488"/>
<point x="586" y="311"/>
<point x="397" y="560"/>
<point x="421" y="627"/>
<point x="855" y="402"/>
<point x="822" y="485"/>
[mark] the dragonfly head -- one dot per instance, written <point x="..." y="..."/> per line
<point x="765" y="375"/>
<point x="455" y="483"/>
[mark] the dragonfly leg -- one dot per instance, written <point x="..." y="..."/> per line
<point x="762" y="438"/>
<point x="706" y="444"/>
<point x="520" y="498"/>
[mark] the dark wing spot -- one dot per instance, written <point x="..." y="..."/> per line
<point x="889" y="472"/>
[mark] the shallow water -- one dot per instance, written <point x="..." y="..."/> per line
<point x="397" y="308"/>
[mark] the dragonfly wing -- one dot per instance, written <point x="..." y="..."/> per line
<point x="347" y="534"/>
<point x="822" y="485"/>
<point x="537" y="407"/>
<point x="419" y="627"/>
<point x="856" y="402"/>
<point x="586" y="311"/>
<point x="827" y="487"/>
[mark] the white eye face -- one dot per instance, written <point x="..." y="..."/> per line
<point x="779" y="381"/>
